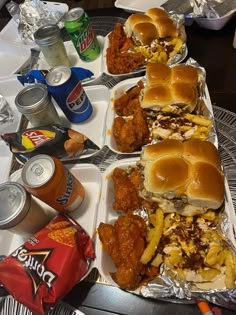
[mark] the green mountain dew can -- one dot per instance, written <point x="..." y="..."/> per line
<point x="80" y="31"/>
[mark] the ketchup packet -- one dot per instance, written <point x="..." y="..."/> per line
<point x="47" y="266"/>
<point x="55" y="140"/>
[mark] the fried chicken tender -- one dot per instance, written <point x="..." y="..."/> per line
<point x="125" y="192"/>
<point x="131" y="134"/>
<point x="129" y="101"/>
<point x="118" y="60"/>
<point x="125" y="243"/>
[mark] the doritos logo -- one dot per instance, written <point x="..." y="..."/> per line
<point x="35" y="138"/>
<point x="35" y="265"/>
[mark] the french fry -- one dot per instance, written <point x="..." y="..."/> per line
<point x="173" y="258"/>
<point x="157" y="260"/>
<point x="220" y="260"/>
<point x="150" y="234"/>
<point x="152" y="219"/>
<point x="209" y="274"/>
<point x="153" y="244"/>
<point x="198" y="119"/>
<point x="230" y="271"/>
<point x="213" y="253"/>
<point x="167" y="221"/>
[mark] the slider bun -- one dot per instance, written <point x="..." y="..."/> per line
<point x="166" y="27"/>
<point x="144" y="33"/>
<point x="155" y="97"/>
<point x="184" y="73"/>
<point x="163" y="148"/>
<point x="179" y="86"/>
<point x="155" y="13"/>
<point x="134" y="19"/>
<point x="187" y="170"/>
<point x="198" y="150"/>
<point x="206" y="188"/>
<point x="184" y="94"/>
<point x="166" y="175"/>
<point x="158" y="73"/>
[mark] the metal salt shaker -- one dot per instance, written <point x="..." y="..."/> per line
<point x="48" y="38"/>
<point x="35" y="103"/>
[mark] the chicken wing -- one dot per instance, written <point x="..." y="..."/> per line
<point x="125" y="243"/>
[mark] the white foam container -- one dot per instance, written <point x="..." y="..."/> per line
<point x="86" y="215"/>
<point x="120" y="89"/>
<point x="106" y="214"/>
<point x="215" y="23"/>
<point x="12" y="57"/>
<point x="138" y="5"/>
<point x="94" y="126"/>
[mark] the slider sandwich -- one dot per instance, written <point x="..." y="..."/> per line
<point x="177" y="85"/>
<point x="155" y="35"/>
<point x="183" y="177"/>
<point x="171" y="97"/>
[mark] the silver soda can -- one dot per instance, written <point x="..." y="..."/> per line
<point x="35" y="103"/>
<point x="19" y="212"/>
<point x="68" y="92"/>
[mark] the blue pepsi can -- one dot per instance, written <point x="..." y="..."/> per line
<point x="68" y="92"/>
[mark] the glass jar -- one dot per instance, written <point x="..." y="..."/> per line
<point x="35" y="103"/>
<point x="48" y="38"/>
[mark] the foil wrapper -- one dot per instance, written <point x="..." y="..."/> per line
<point x="6" y="114"/>
<point x="167" y="288"/>
<point x="201" y="8"/>
<point x="31" y="15"/>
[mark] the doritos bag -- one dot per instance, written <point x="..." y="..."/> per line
<point x="47" y="266"/>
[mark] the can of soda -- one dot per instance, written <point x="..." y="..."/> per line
<point x="19" y="211"/>
<point x="67" y="91"/>
<point x="46" y="178"/>
<point x="80" y="31"/>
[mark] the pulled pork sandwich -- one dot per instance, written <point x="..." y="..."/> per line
<point x="183" y="177"/>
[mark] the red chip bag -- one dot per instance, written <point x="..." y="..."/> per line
<point x="48" y="265"/>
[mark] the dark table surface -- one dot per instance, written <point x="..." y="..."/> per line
<point x="214" y="51"/>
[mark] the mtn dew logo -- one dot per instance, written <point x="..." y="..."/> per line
<point x="85" y="40"/>
<point x="87" y="45"/>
